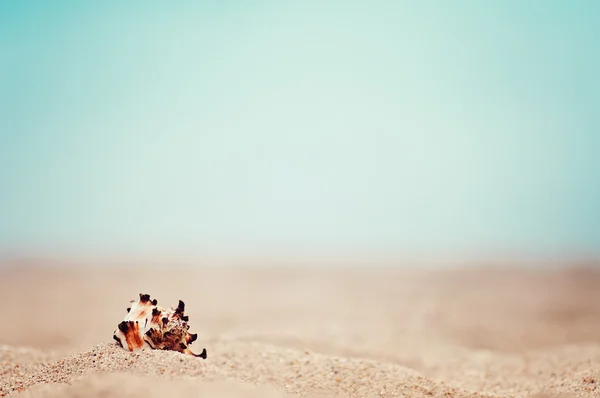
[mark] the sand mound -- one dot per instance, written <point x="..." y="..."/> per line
<point x="109" y="371"/>
<point x="288" y="370"/>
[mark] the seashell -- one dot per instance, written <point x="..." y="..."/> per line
<point x="160" y="328"/>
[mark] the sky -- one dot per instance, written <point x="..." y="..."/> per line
<point x="235" y="127"/>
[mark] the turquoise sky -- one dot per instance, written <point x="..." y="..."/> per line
<point x="231" y="127"/>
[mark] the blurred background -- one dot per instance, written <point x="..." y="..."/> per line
<point x="269" y="128"/>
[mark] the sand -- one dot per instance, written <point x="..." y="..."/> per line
<point x="308" y="331"/>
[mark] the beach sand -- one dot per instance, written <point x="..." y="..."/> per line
<point x="309" y="331"/>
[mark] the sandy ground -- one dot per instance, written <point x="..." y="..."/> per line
<point x="318" y="332"/>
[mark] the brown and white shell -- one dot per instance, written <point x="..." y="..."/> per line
<point x="163" y="329"/>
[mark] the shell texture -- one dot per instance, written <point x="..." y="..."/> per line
<point x="147" y="324"/>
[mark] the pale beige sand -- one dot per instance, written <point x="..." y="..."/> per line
<point x="312" y="332"/>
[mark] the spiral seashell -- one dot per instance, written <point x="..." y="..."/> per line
<point x="147" y="324"/>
